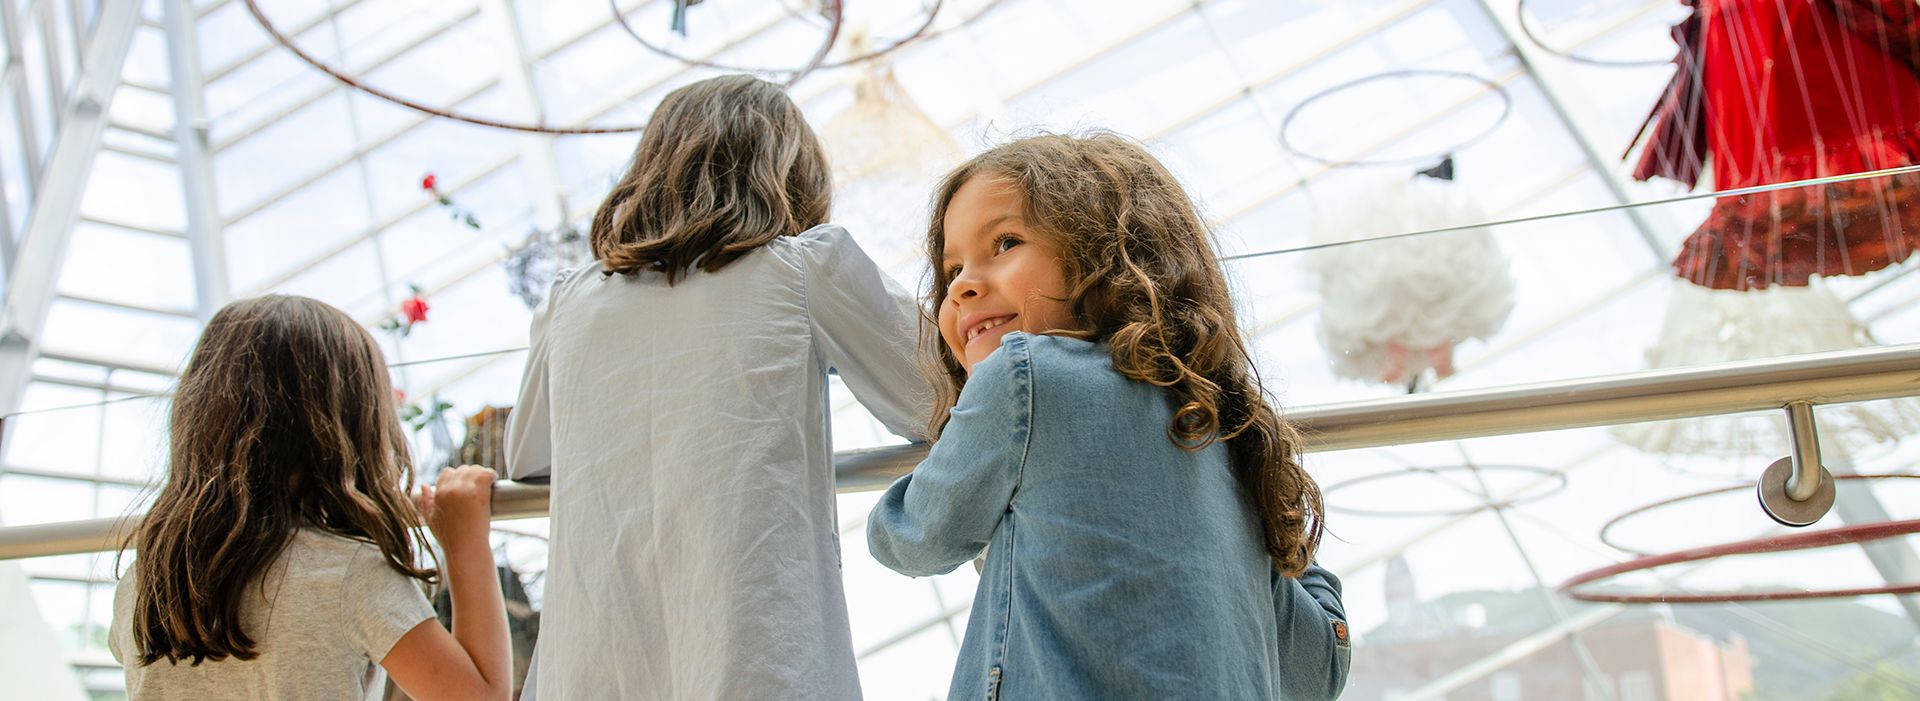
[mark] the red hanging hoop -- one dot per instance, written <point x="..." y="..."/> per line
<point x="1798" y="541"/>
<point x="1608" y="540"/>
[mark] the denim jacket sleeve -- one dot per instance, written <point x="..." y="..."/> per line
<point x="945" y="512"/>
<point x="1315" y="655"/>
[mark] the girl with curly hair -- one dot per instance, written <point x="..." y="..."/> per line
<point x="1103" y="436"/>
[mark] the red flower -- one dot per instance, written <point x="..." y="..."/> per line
<point x="414" y="310"/>
<point x="429" y="183"/>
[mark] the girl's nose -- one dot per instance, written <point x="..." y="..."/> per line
<point x="964" y="286"/>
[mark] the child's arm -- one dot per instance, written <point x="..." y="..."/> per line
<point x="945" y="512"/>
<point x="1315" y="654"/>
<point x="867" y="327"/>
<point x="529" y="440"/>
<point x="475" y="660"/>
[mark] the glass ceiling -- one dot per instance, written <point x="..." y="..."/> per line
<point x="1273" y="113"/>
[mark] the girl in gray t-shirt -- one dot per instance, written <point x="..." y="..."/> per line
<point x="278" y="559"/>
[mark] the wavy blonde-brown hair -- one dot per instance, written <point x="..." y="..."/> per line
<point x="284" y="419"/>
<point x="725" y="165"/>
<point x="1142" y="277"/>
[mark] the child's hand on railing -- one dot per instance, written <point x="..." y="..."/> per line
<point x="459" y="504"/>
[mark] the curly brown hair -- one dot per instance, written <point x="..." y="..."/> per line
<point x="284" y="419"/>
<point x="726" y="165"/>
<point x="1142" y="278"/>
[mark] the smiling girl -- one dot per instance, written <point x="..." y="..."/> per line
<point x="1101" y="427"/>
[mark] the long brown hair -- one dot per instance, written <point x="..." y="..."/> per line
<point x="1142" y="277"/>
<point x="724" y="166"/>
<point x="284" y="419"/>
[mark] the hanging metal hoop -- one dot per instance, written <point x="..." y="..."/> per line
<point x="1328" y="491"/>
<point x="834" y="22"/>
<point x="1506" y="110"/>
<point x="1798" y="541"/>
<point x="921" y="33"/>
<point x="1608" y="537"/>
<point x="1526" y="28"/>
<point x="253" y="7"/>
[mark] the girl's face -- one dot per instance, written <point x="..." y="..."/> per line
<point x="1000" y="276"/>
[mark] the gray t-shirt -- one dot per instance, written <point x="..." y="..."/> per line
<point x="330" y="611"/>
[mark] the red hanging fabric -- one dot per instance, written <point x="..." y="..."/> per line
<point x="1787" y="90"/>
<point x="1677" y="148"/>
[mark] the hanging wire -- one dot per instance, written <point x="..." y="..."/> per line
<point x="1902" y="170"/>
<point x="1506" y="110"/>
<point x="463" y="356"/>
<point x="1811" y="182"/>
<point x="375" y="244"/>
<point x="367" y="37"/>
<point x="835" y="19"/>
<point x="919" y="34"/>
<point x="1250" y="94"/>
<point x="88" y="405"/>
<point x="253" y="6"/>
<point x="1521" y="13"/>
<point x="162" y="395"/>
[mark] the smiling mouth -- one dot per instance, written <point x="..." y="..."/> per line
<point x="987" y="325"/>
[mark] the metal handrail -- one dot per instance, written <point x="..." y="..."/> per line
<point x="1652" y="395"/>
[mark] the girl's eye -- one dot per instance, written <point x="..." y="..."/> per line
<point x="952" y="271"/>
<point x="1005" y="243"/>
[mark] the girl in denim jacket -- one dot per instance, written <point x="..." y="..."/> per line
<point x="1104" y="438"/>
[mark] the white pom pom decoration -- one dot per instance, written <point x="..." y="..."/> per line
<point x="1393" y="309"/>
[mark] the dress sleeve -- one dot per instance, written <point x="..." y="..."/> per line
<point x="529" y="441"/>
<point x="380" y="604"/>
<point x="866" y="327"/>
<point x="1315" y="653"/>
<point x="945" y="511"/>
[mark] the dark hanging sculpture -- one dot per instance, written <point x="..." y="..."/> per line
<point x="679" y="22"/>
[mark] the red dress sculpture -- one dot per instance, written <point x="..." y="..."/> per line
<point x="1784" y="90"/>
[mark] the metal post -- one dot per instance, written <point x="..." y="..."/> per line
<point x="16" y="82"/>
<point x="1833" y="377"/>
<point x="1795" y="490"/>
<point x="204" y="239"/>
<point x="1805" y="480"/>
<point x="33" y="276"/>
<point x="43" y="249"/>
<point x="49" y="43"/>
<point x="6" y="231"/>
<point x="1649" y="395"/>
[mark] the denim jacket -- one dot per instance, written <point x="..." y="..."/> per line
<point x="1120" y="566"/>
